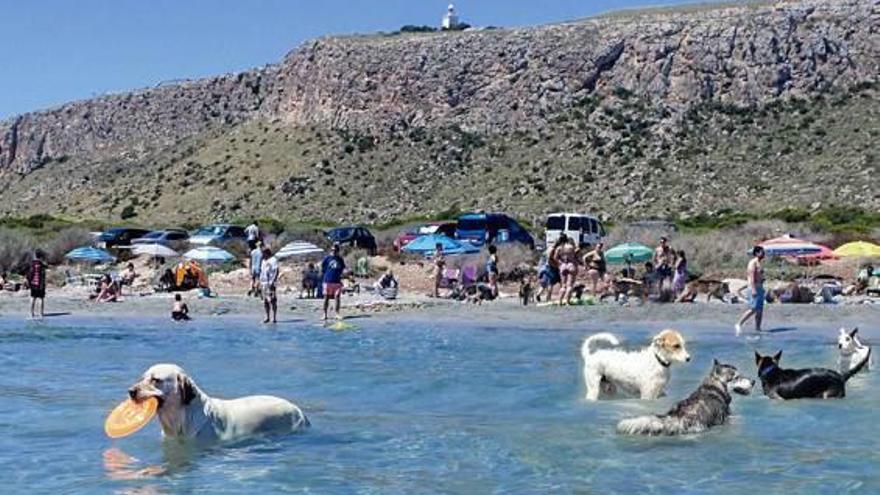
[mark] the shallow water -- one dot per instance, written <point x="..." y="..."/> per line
<point x="413" y="405"/>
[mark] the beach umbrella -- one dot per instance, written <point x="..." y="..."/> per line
<point x="154" y="250"/>
<point x="89" y="254"/>
<point x="789" y="246"/>
<point x="298" y="249"/>
<point x="825" y="253"/>
<point x="209" y="254"/>
<point x="631" y="252"/>
<point x="859" y="249"/>
<point x="426" y="244"/>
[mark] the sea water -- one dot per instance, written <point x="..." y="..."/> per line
<point x="415" y="405"/>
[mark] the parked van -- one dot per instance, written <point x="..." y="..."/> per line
<point x="497" y="228"/>
<point x="584" y="229"/>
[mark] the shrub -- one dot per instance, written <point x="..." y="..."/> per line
<point x="15" y="251"/>
<point x="64" y="241"/>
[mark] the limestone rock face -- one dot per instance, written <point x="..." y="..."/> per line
<point x="544" y="114"/>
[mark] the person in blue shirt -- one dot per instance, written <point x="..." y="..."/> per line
<point x="332" y="268"/>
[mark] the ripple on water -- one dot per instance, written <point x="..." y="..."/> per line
<point x="412" y="406"/>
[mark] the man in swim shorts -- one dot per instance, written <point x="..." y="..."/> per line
<point x="268" y="281"/>
<point x="332" y="267"/>
<point x="37" y="282"/>
<point x="755" y="276"/>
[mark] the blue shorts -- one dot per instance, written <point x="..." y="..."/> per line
<point x="756" y="300"/>
<point x="550" y="276"/>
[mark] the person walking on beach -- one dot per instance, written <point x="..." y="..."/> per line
<point x="255" y="263"/>
<point x="492" y="269"/>
<point x="439" y="266"/>
<point x="755" y="276"/>
<point x="268" y="281"/>
<point x="332" y="267"/>
<point x="36" y="280"/>
<point x="252" y="235"/>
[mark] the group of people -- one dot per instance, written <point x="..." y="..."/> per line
<point x="484" y="290"/>
<point x="665" y="275"/>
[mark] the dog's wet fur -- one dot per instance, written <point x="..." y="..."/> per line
<point x="852" y="351"/>
<point x="807" y="383"/>
<point x="707" y="406"/>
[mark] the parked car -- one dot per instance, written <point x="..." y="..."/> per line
<point x="119" y="236"/>
<point x="353" y="236"/>
<point x="497" y="228"/>
<point x="409" y="235"/>
<point x="216" y="233"/>
<point x="584" y="229"/>
<point x="167" y="237"/>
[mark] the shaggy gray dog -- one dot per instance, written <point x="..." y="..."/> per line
<point x="707" y="406"/>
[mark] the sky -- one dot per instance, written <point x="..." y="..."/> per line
<point x="56" y="51"/>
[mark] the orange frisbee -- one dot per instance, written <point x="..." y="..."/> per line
<point x="130" y="416"/>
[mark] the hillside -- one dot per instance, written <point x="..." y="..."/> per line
<point x="662" y="113"/>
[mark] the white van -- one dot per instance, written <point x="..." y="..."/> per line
<point x="584" y="229"/>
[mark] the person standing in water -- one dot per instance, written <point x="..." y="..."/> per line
<point x="268" y="281"/>
<point x="36" y="280"/>
<point x="492" y="269"/>
<point x="332" y="267"/>
<point x="755" y="276"/>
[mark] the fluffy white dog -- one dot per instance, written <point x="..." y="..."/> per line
<point x="853" y="352"/>
<point x="187" y="412"/>
<point x="642" y="373"/>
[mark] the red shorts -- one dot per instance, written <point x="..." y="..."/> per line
<point x="330" y="290"/>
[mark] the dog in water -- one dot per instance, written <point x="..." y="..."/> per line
<point x="807" y="383"/>
<point x="643" y="373"/>
<point x="852" y="351"/>
<point x="707" y="406"/>
<point x="187" y="412"/>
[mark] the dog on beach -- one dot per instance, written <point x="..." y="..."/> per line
<point x="711" y="288"/>
<point x="707" y="406"/>
<point x="807" y="383"/>
<point x="852" y="351"/>
<point x="643" y="373"/>
<point x="185" y="411"/>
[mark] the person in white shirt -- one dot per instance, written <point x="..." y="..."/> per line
<point x="252" y="235"/>
<point x="268" y="281"/>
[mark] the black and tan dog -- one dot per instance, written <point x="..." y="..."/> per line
<point x="807" y="383"/>
<point x="712" y="288"/>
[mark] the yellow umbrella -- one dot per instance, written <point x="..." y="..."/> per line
<point x="858" y="249"/>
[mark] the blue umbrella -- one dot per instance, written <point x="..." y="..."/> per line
<point x="90" y="254"/>
<point x="209" y="254"/>
<point x="426" y="244"/>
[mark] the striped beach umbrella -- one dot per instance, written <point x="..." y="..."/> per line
<point x="298" y="249"/>
<point x="789" y="246"/>
<point x="209" y="254"/>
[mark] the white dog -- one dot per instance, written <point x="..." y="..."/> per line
<point x="853" y="352"/>
<point x="643" y="373"/>
<point x="187" y="412"/>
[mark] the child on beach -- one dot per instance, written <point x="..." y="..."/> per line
<point x="179" y="312"/>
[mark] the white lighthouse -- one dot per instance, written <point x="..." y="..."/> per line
<point x="450" y="20"/>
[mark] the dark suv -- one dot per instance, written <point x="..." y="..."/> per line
<point x="358" y="237"/>
<point x="120" y="236"/>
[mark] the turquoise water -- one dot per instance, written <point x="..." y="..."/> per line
<point x="413" y="406"/>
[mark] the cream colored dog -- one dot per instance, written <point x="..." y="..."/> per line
<point x="642" y="373"/>
<point x="187" y="412"/>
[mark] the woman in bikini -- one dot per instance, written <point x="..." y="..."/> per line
<point x="596" y="266"/>
<point x="566" y="257"/>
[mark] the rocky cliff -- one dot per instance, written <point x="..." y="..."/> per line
<point x="663" y="112"/>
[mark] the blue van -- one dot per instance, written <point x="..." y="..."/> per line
<point x="497" y="228"/>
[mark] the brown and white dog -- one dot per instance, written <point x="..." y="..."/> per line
<point x="187" y="412"/>
<point x="643" y="373"/>
<point x="711" y="288"/>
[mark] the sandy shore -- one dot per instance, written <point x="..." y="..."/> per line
<point x="504" y="311"/>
